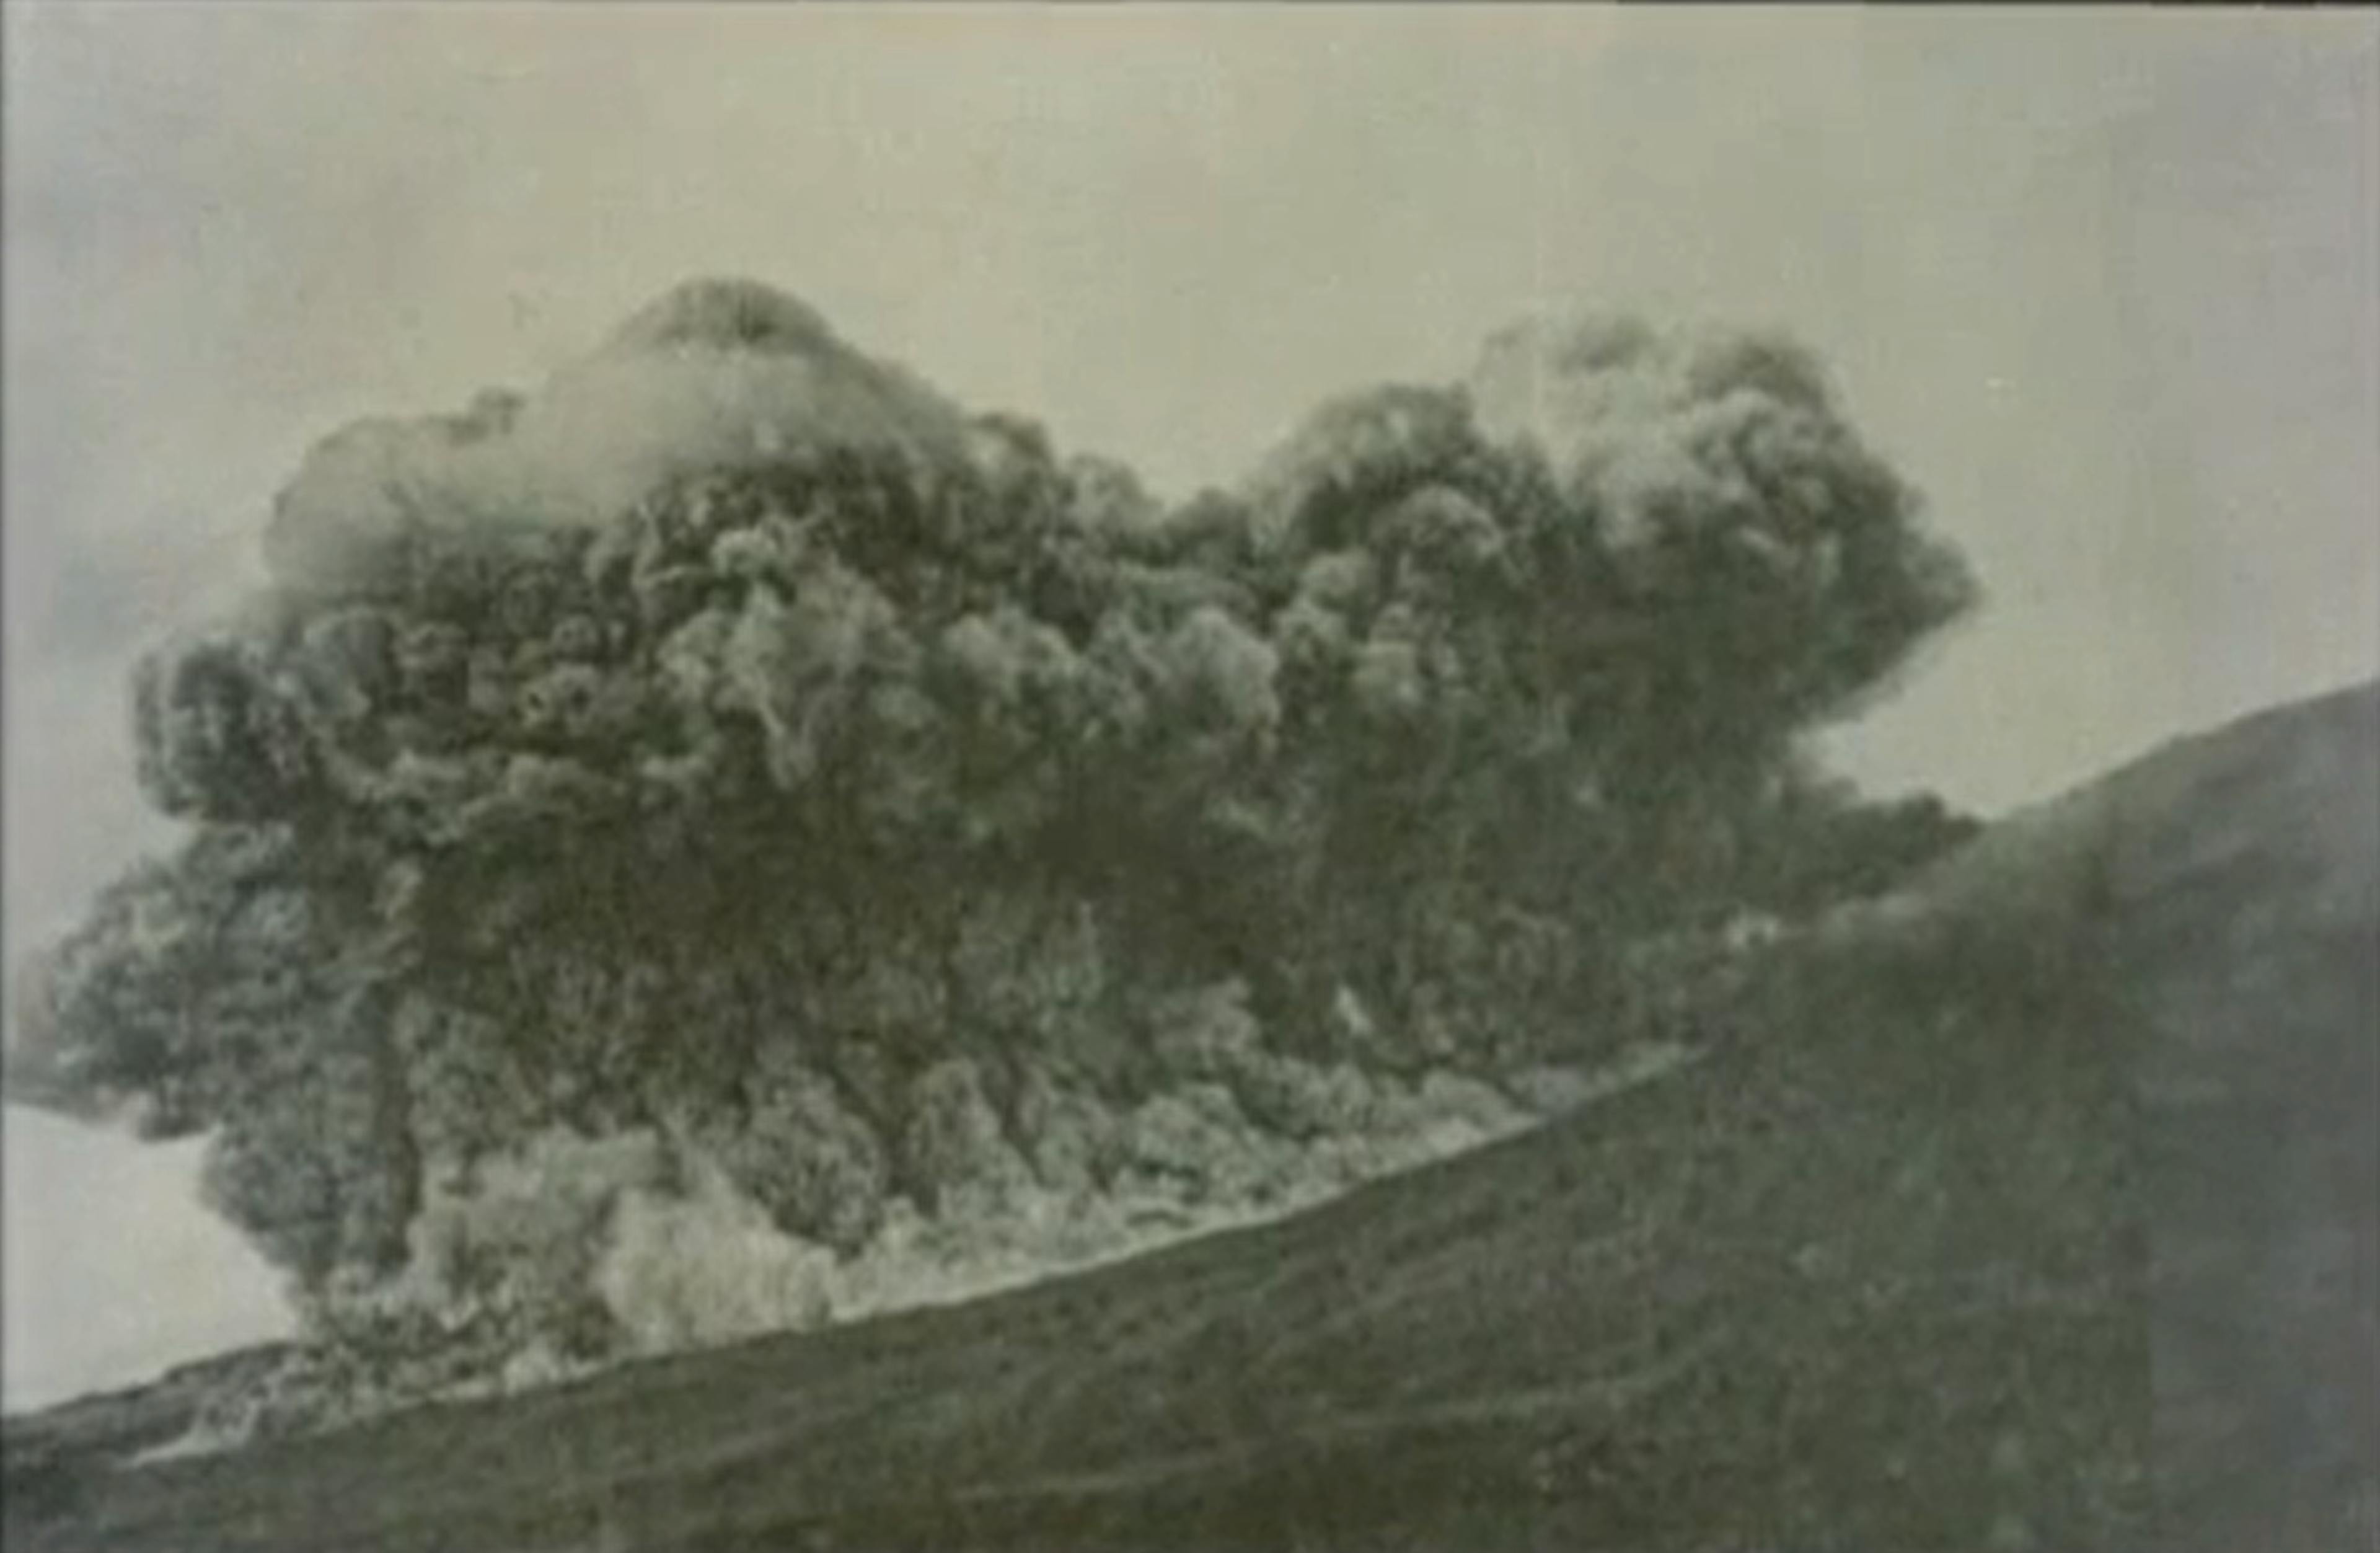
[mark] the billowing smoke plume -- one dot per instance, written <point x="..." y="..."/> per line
<point x="716" y="376"/>
<point x="729" y="837"/>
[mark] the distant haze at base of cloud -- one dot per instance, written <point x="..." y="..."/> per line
<point x="114" y="1272"/>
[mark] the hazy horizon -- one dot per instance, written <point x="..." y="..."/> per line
<point x="2102" y="284"/>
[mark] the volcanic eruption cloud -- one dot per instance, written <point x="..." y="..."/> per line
<point x="733" y="840"/>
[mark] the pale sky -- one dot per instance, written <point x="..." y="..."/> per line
<point x="2106" y="286"/>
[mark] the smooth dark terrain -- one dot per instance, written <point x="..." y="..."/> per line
<point x="2038" y="1214"/>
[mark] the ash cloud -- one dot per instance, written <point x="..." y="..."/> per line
<point x="717" y="376"/>
<point x="733" y="838"/>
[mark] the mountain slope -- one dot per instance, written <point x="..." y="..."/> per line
<point x="2234" y="878"/>
<point x="2248" y="884"/>
<point x="1902" y="1264"/>
<point x="1716" y="1307"/>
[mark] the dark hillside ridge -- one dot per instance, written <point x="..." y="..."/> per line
<point x="2239" y="872"/>
<point x="1769" y="1297"/>
<point x="2247" y="885"/>
<point x="57" y="1449"/>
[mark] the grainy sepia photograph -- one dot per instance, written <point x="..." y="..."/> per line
<point x="1154" y="780"/>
